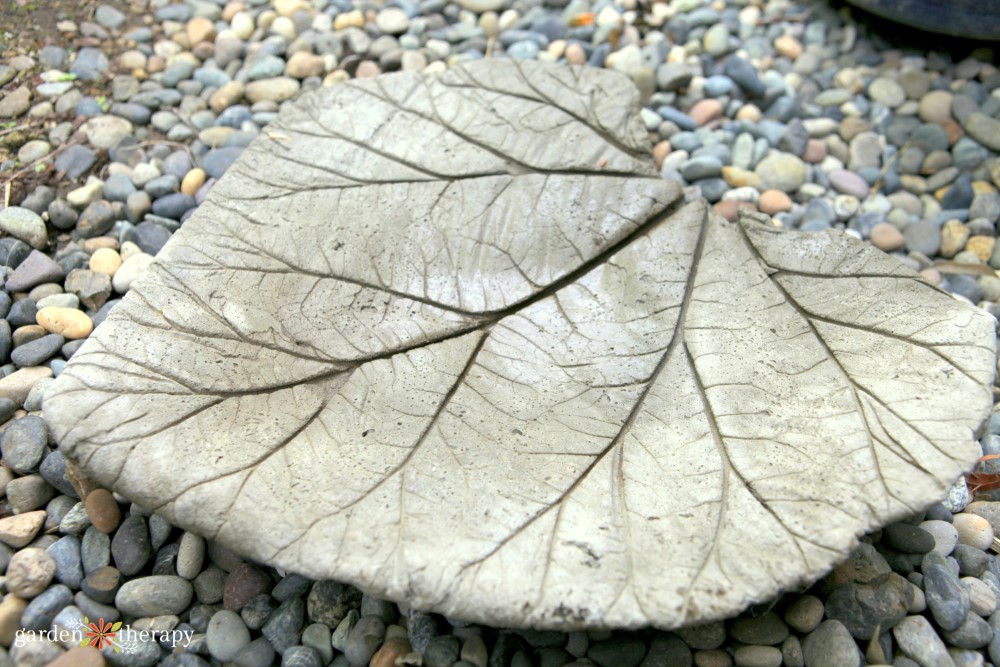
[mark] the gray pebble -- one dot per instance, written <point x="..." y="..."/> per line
<point x="66" y="553"/>
<point x="946" y="598"/>
<point x="917" y="639"/>
<point x="300" y="656"/>
<point x="284" y="628"/>
<point x="226" y="635"/>
<point x="90" y="64"/>
<point x="28" y="493"/>
<point x="24" y="444"/>
<point x="95" y="550"/>
<point x="973" y="633"/>
<point x="42" y="609"/>
<point x="154" y="596"/>
<point x="364" y="639"/>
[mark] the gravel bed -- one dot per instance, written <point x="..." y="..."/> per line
<point x="122" y="124"/>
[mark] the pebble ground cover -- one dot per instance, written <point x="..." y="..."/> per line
<point x="116" y="129"/>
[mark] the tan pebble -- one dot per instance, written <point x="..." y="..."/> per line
<point x="18" y="384"/>
<point x="105" y="260"/>
<point x="128" y="250"/>
<point x="132" y="59"/>
<point x="729" y="209"/>
<point x="788" y="46"/>
<point x="915" y="184"/>
<point x="29" y="573"/>
<point x="805" y="614"/>
<point x="933" y="276"/>
<point x="155" y="64"/>
<point x="352" y="19"/>
<point x="557" y="48"/>
<point x="389" y="652"/>
<point x="80" y="656"/>
<point x="17" y="531"/>
<point x="193" y="180"/>
<point x="749" y="112"/>
<point x="10" y="617"/>
<point x="973" y="530"/>
<point x="303" y="64"/>
<point x="226" y="96"/>
<point x="232" y="9"/>
<point x="367" y="69"/>
<point x="102" y="510"/>
<point x="93" y="245"/>
<point x="69" y="322"/>
<point x="954" y="236"/>
<point x="982" y="247"/>
<point x="575" y="55"/>
<point x="200" y="29"/>
<point x="935" y="107"/>
<point x="774" y="201"/>
<point x="815" y="151"/>
<point x="740" y="178"/>
<point x="289" y="7"/>
<point x="660" y="151"/>
<point x="705" y="111"/>
<point x="886" y="237"/>
<point x="982" y="187"/>
<point x="712" y="658"/>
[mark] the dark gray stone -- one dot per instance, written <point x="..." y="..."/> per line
<point x="284" y="628"/>
<point x="95" y="220"/>
<point x="442" y="651"/>
<point x="39" y="200"/>
<point x="151" y="237"/>
<point x="53" y="471"/>
<point x="745" y="75"/>
<point x="12" y="253"/>
<point x="130" y="546"/>
<point x="62" y="215"/>
<point x="22" y="313"/>
<point x="37" y="351"/>
<point x="421" y="629"/>
<point x="618" y="651"/>
<point x="256" y="612"/>
<point x="908" y="538"/>
<point x="329" y="602"/>
<point x="173" y="205"/>
<point x="218" y="160"/>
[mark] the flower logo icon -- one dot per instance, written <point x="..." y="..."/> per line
<point x="101" y="634"/>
